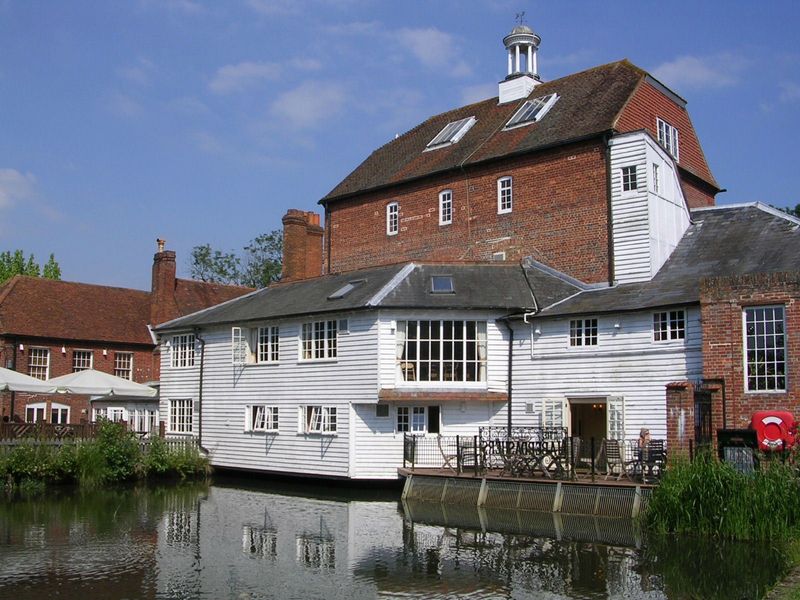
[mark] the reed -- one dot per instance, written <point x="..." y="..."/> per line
<point x="708" y="497"/>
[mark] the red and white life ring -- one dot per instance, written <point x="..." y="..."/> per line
<point x="774" y="428"/>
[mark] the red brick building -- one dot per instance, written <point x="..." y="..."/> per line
<point x="50" y="328"/>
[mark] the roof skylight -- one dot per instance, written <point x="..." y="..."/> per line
<point x="442" y="284"/>
<point x="532" y="111"/>
<point x="451" y="133"/>
<point x="345" y="289"/>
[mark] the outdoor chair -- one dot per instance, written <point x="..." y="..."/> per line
<point x="448" y="456"/>
<point x="653" y="460"/>
<point x="615" y="459"/>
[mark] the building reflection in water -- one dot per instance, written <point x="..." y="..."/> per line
<point x="278" y="541"/>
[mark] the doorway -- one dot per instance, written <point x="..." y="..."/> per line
<point x="588" y="418"/>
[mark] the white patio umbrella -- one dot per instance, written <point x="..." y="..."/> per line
<point x="96" y="383"/>
<point x="12" y="381"/>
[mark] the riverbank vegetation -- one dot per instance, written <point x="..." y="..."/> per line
<point x="710" y="498"/>
<point x="115" y="455"/>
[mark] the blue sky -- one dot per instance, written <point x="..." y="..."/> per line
<point x="202" y="122"/>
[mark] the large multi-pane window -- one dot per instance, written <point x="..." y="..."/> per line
<point x="668" y="137"/>
<point x="441" y="350"/>
<point x="123" y="365"/>
<point x="318" y="340"/>
<point x="445" y="207"/>
<point x="669" y="325"/>
<point x="583" y="332"/>
<point x="318" y="419"/>
<point x="182" y="348"/>
<point x="39" y="362"/>
<point x="180" y="416"/>
<point x="81" y="360"/>
<point x="268" y="344"/>
<point x="505" y="195"/>
<point x="765" y="348"/>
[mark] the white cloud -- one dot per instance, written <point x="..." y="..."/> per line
<point x="433" y="48"/>
<point x="476" y="93"/>
<point x="309" y="104"/>
<point x="701" y="72"/>
<point x="15" y="186"/>
<point x="790" y="92"/>
<point x="139" y="73"/>
<point x="123" y="105"/>
<point x="237" y="78"/>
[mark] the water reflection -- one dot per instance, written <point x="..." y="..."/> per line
<point x="288" y="541"/>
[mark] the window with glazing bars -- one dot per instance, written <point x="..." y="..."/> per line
<point x="392" y="218"/>
<point x="583" y="332"/>
<point x="629" y="182"/>
<point x="123" y="365"/>
<point x="268" y="344"/>
<point x="180" y="416"/>
<point x="320" y="419"/>
<point x="81" y="360"/>
<point x="411" y="419"/>
<point x="668" y="137"/>
<point x="765" y="348"/>
<point x="669" y="325"/>
<point x="38" y="362"/>
<point x="441" y="350"/>
<point x="505" y="195"/>
<point x="445" y="207"/>
<point x="319" y="340"/>
<point x="262" y="418"/>
<point x="182" y="349"/>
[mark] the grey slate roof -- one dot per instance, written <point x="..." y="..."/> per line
<point x="502" y="286"/>
<point x="723" y="241"/>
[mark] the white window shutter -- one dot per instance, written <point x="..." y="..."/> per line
<point x="553" y="413"/>
<point x="615" y="416"/>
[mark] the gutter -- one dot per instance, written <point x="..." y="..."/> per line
<point x="504" y="321"/>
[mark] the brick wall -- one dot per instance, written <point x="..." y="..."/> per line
<point x="680" y="417"/>
<point x="722" y="301"/>
<point x="647" y="105"/>
<point x="559" y="216"/>
<point x="145" y="368"/>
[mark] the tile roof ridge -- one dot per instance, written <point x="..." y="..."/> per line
<point x="6" y="288"/>
<point x="775" y="212"/>
<point x="47" y="281"/>
<point x="227" y="285"/>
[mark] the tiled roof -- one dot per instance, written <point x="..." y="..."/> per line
<point x="723" y="241"/>
<point x="191" y="296"/>
<point x="589" y="104"/>
<point x="487" y="286"/>
<point x="37" y="307"/>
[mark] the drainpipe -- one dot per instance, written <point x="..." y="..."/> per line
<point x="200" y="393"/>
<point x="504" y="321"/>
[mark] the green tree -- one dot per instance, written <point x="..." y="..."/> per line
<point x="257" y="265"/>
<point x="15" y="264"/>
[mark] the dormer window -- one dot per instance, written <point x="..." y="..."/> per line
<point x="668" y="137"/>
<point x="442" y="284"/>
<point x="451" y="133"/>
<point x="532" y="111"/>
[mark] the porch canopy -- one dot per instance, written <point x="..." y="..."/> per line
<point x="96" y="383"/>
<point x="13" y="381"/>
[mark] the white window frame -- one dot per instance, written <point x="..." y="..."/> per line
<point x="630" y="179"/>
<point x="60" y="409"/>
<point x="451" y="133"/>
<point x="669" y="326"/>
<point x="538" y="107"/>
<point x="115" y="414"/>
<point x="668" y="137"/>
<point x="143" y="420"/>
<point x="584" y="333"/>
<point x="240" y="346"/>
<point x="121" y="359"/>
<point x="319" y="340"/>
<point x="446" y="207"/>
<point x="261" y="418"/>
<point x="180" y="415"/>
<point x="505" y="195"/>
<point x="39" y="410"/>
<point x="412" y="419"/>
<point x="39" y="358"/>
<point x="392" y="218"/>
<point x="80" y="362"/>
<point x="656" y="179"/>
<point x="762" y="339"/>
<point x="411" y="352"/>
<point x="318" y="419"/>
<point x="182" y="351"/>
<point x="268" y="346"/>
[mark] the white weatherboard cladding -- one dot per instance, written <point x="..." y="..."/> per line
<point x="646" y="226"/>
<point x="287" y="384"/>
<point x="378" y="449"/>
<point x="177" y="384"/>
<point x="496" y="350"/>
<point x="626" y="362"/>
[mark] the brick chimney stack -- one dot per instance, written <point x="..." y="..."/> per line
<point x="163" y="306"/>
<point x="302" y="245"/>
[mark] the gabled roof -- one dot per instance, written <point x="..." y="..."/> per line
<point x="722" y="241"/>
<point x="191" y="296"/>
<point x="487" y="286"/>
<point x="588" y="105"/>
<point x="37" y="307"/>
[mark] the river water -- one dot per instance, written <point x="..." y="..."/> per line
<point x="247" y="540"/>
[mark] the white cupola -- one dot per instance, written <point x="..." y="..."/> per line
<point x="523" y="69"/>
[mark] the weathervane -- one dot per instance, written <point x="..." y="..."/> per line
<point x="520" y="18"/>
